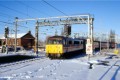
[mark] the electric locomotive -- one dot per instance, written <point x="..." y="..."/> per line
<point x="57" y="46"/>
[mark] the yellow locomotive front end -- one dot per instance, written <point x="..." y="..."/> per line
<point x="54" y="50"/>
<point x="54" y="47"/>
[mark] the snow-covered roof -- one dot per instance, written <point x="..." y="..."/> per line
<point x="19" y="35"/>
<point x="2" y="36"/>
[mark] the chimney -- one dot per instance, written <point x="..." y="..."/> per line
<point x="29" y="32"/>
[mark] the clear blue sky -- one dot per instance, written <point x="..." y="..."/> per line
<point x="106" y="14"/>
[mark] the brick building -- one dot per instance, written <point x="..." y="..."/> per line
<point x="25" y="40"/>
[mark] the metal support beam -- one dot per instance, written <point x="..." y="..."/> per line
<point x="63" y="20"/>
<point x="89" y="45"/>
<point x="36" y="37"/>
<point x="16" y="21"/>
<point x="75" y="17"/>
<point x="91" y="35"/>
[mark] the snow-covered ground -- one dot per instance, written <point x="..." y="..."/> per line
<point x="104" y="67"/>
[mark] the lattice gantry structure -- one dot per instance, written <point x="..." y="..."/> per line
<point x="61" y="20"/>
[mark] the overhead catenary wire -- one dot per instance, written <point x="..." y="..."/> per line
<point x="12" y="23"/>
<point x="33" y="8"/>
<point x="14" y="10"/>
<point x="6" y="22"/>
<point x="7" y="15"/>
<point x="11" y="16"/>
<point x="4" y="16"/>
<point x="54" y="7"/>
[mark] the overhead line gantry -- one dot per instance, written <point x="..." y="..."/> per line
<point x="60" y="20"/>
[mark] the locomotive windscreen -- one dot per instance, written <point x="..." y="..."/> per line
<point x="54" y="41"/>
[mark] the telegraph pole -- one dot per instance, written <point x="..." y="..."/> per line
<point x="16" y="21"/>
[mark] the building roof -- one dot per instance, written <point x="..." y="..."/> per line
<point x="2" y="36"/>
<point x="19" y="35"/>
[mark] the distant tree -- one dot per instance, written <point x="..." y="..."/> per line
<point x="41" y="43"/>
<point x="62" y="32"/>
<point x="112" y="36"/>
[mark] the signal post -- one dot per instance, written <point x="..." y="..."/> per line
<point x="6" y="36"/>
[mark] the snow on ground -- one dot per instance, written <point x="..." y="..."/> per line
<point x="77" y="68"/>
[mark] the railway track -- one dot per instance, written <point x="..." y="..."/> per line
<point x="47" y="68"/>
<point x="116" y="66"/>
<point x="4" y="67"/>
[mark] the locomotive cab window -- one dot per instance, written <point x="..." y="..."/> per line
<point x="81" y="42"/>
<point x="64" y="42"/>
<point x="54" y="41"/>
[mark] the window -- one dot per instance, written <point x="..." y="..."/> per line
<point x="64" y="43"/>
<point x="76" y="42"/>
<point x="54" y="41"/>
<point x="17" y="41"/>
<point x="70" y="42"/>
<point x="81" y="42"/>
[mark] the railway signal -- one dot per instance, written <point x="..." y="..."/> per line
<point x="6" y="32"/>
<point x="6" y="36"/>
<point x="67" y="30"/>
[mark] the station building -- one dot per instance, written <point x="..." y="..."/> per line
<point x="25" y="40"/>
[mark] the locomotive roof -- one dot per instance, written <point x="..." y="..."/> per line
<point x="62" y="37"/>
<point x="59" y="37"/>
